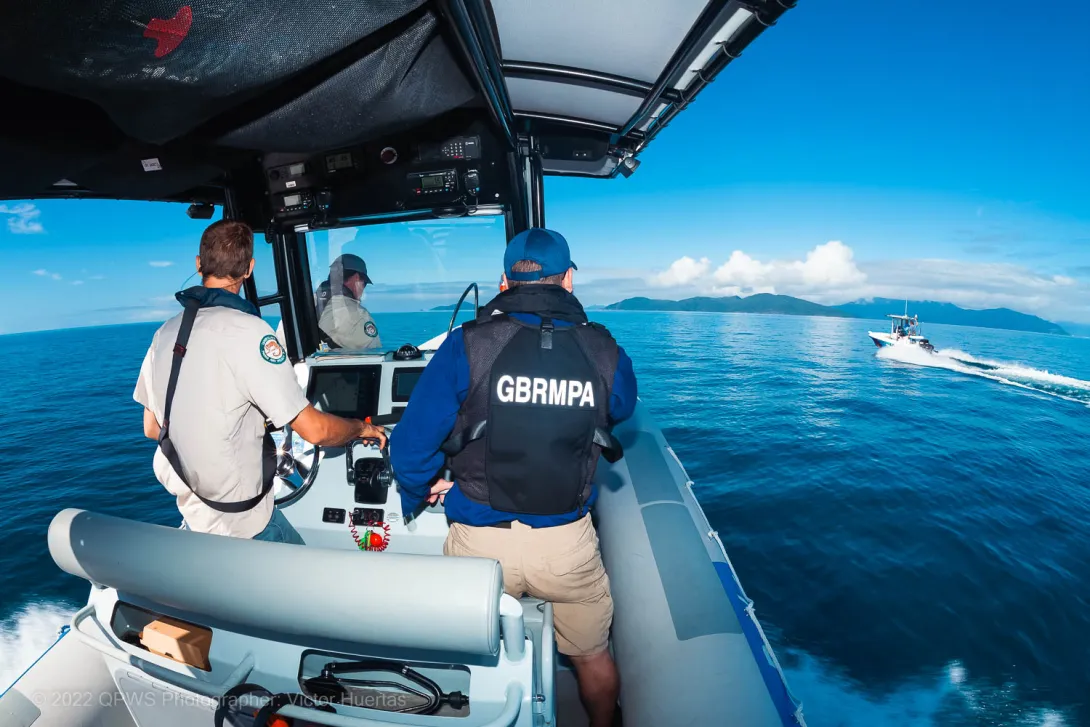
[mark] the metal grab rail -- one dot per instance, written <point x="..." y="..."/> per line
<point x="458" y="306"/>
<point x="182" y="681"/>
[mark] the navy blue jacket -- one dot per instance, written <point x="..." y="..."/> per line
<point x="429" y="419"/>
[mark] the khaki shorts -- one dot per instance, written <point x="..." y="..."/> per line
<point x="561" y="564"/>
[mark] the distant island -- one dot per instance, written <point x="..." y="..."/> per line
<point x="878" y="309"/>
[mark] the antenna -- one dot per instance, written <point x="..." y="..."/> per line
<point x="906" y="307"/>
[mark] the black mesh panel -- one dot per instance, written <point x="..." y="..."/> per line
<point x="231" y="52"/>
<point x="406" y="81"/>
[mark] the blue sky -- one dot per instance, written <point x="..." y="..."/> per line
<point x="856" y="149"/>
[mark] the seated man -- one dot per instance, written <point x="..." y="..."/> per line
<point x="543" y="378"/>
<point x="342" y="319"/>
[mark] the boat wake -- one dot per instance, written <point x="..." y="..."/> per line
<point x="949" y="698"/>
<point x="1012" y="374"/>
<point x="26" y="634"/>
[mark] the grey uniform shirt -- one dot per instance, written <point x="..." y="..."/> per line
<point x="349" y="324"/>
<point x="235" y="374"/>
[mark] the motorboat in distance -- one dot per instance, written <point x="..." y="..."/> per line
<point x="904" y="331"/>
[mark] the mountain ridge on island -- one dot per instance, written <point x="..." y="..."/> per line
<point x="876" y="309"/>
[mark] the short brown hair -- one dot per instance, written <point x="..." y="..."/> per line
<point x="227" y="247"/>
<point x="529" y="266"/>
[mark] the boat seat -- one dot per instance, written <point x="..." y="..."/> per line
<point x="435" y="603"/>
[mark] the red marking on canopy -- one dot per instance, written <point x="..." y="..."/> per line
<point x="170" y="33"/>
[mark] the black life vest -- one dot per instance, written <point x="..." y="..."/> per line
<point x="536" y="417"/>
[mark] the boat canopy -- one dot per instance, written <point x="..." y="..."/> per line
<point x="160" y="100"/>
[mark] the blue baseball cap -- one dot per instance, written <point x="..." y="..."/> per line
<point x="546" y="248"/>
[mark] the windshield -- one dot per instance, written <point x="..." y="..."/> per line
<point x="381" y="286"/>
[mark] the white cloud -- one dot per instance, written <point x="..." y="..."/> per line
<point x="160" y="263"/>
<point x="830" y="274"/>
<point x="55" y="276"/>
<point x="829" y="270"/>
<point x="42" y="272"/>
<point x="22" y="218"/>
<point x="77" y="282"/>
<point x="682" y="272"/>
<point x="97" y="277"/>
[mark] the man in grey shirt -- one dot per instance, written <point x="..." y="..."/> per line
<point x="234" y="375"/>
<point x="344" y="322"/>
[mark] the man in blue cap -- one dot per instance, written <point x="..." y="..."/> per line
<point x="520" y="404"/>
<point x="343" y="322"/>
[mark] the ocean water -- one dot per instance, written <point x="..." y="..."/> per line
<point x="914" y="530"/>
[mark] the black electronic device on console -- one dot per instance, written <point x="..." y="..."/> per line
<point x="367" y="516"/>
<point x="347" y="391"/>
<point x="405" y="380"/>
<point x="458" y="147"/>
<point x="333" y="515"/>
<point x="427" y="169"/>
<point x="442" y="183"/>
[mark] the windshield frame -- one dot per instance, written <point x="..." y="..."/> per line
<point x="295" y="291"/>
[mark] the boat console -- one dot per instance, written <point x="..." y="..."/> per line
<point x="352" y="501"/>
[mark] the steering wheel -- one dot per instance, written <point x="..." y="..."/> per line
<point x="297" y="476"/>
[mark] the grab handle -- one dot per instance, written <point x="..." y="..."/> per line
<point x="182" y="681"/>
<point x="507" y="717"/>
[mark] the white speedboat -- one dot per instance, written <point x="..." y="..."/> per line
<point x="904" y="331"/>
<point x="300" y="120"/>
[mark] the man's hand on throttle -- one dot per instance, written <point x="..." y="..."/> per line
<point x="370" y="431"/>
<point x="439" y="491"/>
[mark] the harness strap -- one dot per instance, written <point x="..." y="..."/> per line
<point x="611" y="447"/>
<point x="268" y="464"/>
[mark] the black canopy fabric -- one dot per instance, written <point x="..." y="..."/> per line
<point x="167" y="99"/>
<point x="97" y="89"/>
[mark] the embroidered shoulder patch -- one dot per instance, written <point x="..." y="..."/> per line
<point x="370" y="329"/>
<point x="272" y="351"/>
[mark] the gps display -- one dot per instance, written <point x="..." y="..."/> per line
<point x="350" y="392"/>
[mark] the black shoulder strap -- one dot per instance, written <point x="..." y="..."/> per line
<point x="268" y="468"/>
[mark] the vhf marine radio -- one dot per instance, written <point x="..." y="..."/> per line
<point x="383" y="176"/>
<point x="443" y="182"/>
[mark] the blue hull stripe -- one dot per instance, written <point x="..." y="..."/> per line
<point x="63" y="633"/>
<point x="777" y="688"/>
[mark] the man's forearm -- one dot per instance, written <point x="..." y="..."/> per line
<point x="338" y="431"/>
<point x="327" y="430"/>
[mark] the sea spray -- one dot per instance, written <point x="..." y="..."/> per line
<point x="1011" y="374"/>
<point x="26" y="634"/>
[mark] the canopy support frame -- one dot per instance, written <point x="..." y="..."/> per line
<point x="479" y="52"/>
<point x="715" y="15"/>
